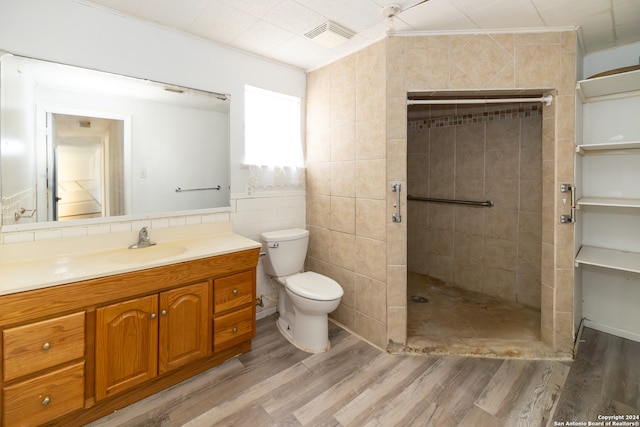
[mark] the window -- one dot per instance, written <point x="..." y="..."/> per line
<point x="272" y="128"/>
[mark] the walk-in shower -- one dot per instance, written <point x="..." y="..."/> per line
<point x="474" y="201"/>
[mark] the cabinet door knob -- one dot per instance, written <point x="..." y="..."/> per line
<point x="235" y="292"/>
<point x="164" y="313"/>
<point x="153" y="315"/>
<point x="46" y="401"/>
<point x="46" y="346"/>
<point x="235" y="330"/>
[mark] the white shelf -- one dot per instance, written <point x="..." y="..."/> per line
<point x="609" y="258"/>
<point x="609" y="85"/>
<point x="628" y="145"/>
<point x="609" y="201"/>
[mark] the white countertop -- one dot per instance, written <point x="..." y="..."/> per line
<point x="36" y="265"/>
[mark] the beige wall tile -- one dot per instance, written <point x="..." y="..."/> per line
<point x="343" y="143"/>
<point x="427" y="68"/>
<point x="500" y="283"/>
<point x="500" y="254"/>
<point x="343" y="214"/>
<point x="319" y="243"/>
<point x="371" y="141"/>
<point x="371" y="219"/>
<point x="371" y="258"/>
<point x="346" y="316"/>
<point x="370" y="329"/>
<point x="318" y="145"/>
<point x="343" y="91"/>
<point x="397" y="241"/>
<point x="318" y="178"/>
<point x="370" y="179"/>
<point x="528" y="288"/>
<point x="343" y="250"/>
<point x="530" y="227"/>
<point x="397" y="117"/>
<point x="538" y="65"/>
<point x="397" y="286"/>
<point x="397" y="324"/>
<point x="371" y="298"/>
<point x="564" y="290"/>
<point x="343" y="179"/>
<point x="319" y="211"/>
<point x="480" y="59"/>
<point x="347" y="280"/>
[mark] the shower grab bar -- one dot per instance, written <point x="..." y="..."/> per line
<point x="180" y="190"/>
<point x="487" y="204"/>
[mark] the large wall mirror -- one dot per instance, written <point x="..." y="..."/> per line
<point x="80" y="144"/>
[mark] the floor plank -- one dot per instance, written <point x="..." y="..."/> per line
<point x="356" y="384"/>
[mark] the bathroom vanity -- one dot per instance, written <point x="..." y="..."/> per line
<point x="121" y="325"/>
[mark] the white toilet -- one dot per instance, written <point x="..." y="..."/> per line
<point x="307" y="298"/>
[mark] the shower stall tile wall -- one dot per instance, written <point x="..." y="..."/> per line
<point x="477" y="153"/>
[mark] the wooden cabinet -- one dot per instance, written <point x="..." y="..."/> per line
<point x="233" y="310"/>
<point x="73" y="353"/>
<point x="608" y="201"/>
<point x="126" y="345"/>
<point x="184" y="326"/>
<point x="44" y="398"/>
<point x="139" y="339"/>
<point x="39" y="382"/>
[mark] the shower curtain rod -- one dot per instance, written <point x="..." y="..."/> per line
<point x="546" y="99"/>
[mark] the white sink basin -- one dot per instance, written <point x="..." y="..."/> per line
<point x="149" y="254"/>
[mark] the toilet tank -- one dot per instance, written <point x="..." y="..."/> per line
<point x="286" y="251"/>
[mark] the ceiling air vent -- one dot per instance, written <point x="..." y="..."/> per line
<point x="330" y="34"/>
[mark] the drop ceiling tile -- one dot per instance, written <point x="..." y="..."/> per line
<point x="171" y="13"/>
<point x="500" y="13"/>
<point x="301" y="53"/>
<point x="437" y="15"/>
<point x="262" y="37"/>
<point x="128" y="7"/>
<point x="294" y="17"/>
<point x="357" y="15"/>
<point x="222" y="23"/>
<point x="256" y="8"/>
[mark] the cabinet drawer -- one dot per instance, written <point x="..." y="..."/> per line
<point x="44" y="398"/>
<point x="31" y="348"/>
<point x="232" y="291"/>
<point x="233" y="328"/>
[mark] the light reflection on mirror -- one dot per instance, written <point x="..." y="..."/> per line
<point x="78" y="144"/>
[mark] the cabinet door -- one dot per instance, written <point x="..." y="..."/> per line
<point x="184" y="325"/>
<point x="126" y="345"/>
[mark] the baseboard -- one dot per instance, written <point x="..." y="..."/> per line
<point x="612" y="330"/>
<point x="265" y="313"/>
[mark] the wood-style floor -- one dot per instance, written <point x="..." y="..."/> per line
<point x="604" y="380"/>
<point x="354" y="384"/>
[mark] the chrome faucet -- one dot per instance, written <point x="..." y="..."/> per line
<point x="143" y="240"/>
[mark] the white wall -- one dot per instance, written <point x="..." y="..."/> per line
<point x="610" y="59"/>
<point x="70" y="32"/>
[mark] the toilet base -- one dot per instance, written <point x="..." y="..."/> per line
<point x="286" y="327"/>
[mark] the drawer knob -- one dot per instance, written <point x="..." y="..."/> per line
<point x="153" y="315"/>
<point x="164" y="313"/>
<point x="235" y="292"/>
<point x="46" y="346"/>
<point x="235" y="330"/>
<point x="46" y="401"/>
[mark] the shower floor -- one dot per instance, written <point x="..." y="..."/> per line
<point x="461" y="322"/>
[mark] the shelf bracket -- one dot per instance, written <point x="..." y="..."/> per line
<point x="571" y="218"/>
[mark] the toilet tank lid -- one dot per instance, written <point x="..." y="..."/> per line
<point x="283" y="235"/>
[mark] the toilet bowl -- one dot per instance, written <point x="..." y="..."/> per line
<point x="305" y="298"/>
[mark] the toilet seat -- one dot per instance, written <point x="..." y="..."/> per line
<point x="314" y="286"/>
